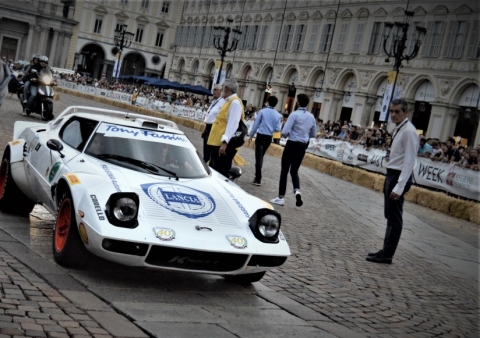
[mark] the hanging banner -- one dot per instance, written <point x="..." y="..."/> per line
<point x="117" y="66"/>
<point x="393" y="80"/>
<point x="215" y="76"/>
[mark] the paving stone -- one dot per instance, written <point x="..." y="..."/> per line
<point x="30" y="333"/>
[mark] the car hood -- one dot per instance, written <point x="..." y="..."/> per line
<point x="212" y="201"/>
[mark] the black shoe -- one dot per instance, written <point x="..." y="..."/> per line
<point x="254" y="182"/>
<point x="370" y="254"/>
<point x="379" y="259"/>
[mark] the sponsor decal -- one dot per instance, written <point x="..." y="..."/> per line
<point x="238" y="242"/>
<point x="164" y="234"/>
<point x="112" y="177"/>
<point x="112" y="129"/>
<point x="37" y="146"/>
<point x="431" y="173"/>
<point x="73" y="179"/>
<point x="98" y="208"/>
<point x="237" y="202"/>
<point x="362" y="157"/>
<point x="460" y="181"/>
<point x="53" y="171"/>
<point x="46" y="171"/>
<point x="377" y="160"/>
<point x="185" y="201"/>
<point x="15" y="143"/>
<point x="330" y="147"/>
<point x="83" y="233"/>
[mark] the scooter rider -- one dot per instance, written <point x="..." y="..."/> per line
<point x="26" y="86"/>
<point x="33" y="77"/>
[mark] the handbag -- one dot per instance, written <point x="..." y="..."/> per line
<point x="238" y="139"/>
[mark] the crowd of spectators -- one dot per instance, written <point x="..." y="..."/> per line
<point x="377" y="138"/>
<point x="150" y="92"/>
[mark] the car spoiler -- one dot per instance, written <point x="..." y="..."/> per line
<point x="109" y="112"/>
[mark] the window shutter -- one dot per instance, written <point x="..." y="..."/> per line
<point x="447" y="50"/>
<point x="428" y="36"/>
<point x="323" y="38"/>
<point x="472" y="43"/>
<point x="275" y="37"/>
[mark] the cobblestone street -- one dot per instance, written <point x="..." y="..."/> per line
<point x="430" y="290"/>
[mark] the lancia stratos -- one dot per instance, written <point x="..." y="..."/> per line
<point x="132" y="189"/>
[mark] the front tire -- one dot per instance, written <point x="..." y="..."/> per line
<point x="47" y="112"/>
<point x="68" y="249"/>
<point x="12" y="199"/>
<point x="247" y="278"/>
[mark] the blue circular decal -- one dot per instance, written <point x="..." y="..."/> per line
<point x="186" y="201"/>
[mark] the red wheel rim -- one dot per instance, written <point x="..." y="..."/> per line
<point x="63" y="225"/>
<point x="3" y="176"/>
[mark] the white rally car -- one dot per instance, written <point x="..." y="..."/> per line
<point x="132" y="189"/>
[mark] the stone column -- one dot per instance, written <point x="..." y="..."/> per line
<point x="65" y="47"/>
<point x="72" y="45"/>
<point x="331" y="110"/>
<point x="28" y="48"/>
<point x="43" y="40"/>
<point x="53" y="49"/>
<point x="368" y="111"/>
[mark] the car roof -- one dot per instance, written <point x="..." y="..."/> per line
<point x="123" y="118"/>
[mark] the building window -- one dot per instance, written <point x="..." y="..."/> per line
<point x="243" y="37"/>
<point x="191" y="36"/>
<point x="145" y="3"/>
<point x="411" y="39"/>
<point x="313" y="37"/>
<point x="358" y="38"/>
<point x="119" y="26"/>
<point x="376" y="39"/>
<point x="278" y="28"/>
<point x="435" y="41"/>
<point x="473" y="50"/>
<point x="159" y="39"/>
<point x="299" y="38"/>
<point x="455" y="39"/>
<point x="326" y="40"/>
<point x="184" y="36"/>
<point x="139" y="35"/>
<point x="98" y="24"/>
<point x="165" y="7"/>
<point x="200" y="36"/>
<point x="263" y="39"/>
<point x="252" y="38"/>
<point x="342" y="38"/>
<point x="206" y="43"/>
<point x="178" y="35"/>
<point x="286" y="38"/>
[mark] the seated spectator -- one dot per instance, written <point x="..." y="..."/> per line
<point x="424" y="149"/>
<point x="354" y="135"/>
<point x="361" y="137"/>
<point x="452" y="153"/>
<point x="334" y="132"/>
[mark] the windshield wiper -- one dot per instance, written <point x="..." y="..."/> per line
<point x="153" y="168"/>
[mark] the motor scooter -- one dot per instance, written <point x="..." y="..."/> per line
<point x="43" y="103"/>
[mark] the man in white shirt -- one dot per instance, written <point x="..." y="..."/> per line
<point x="401" y="159"/>
<point x="210" y="116"/>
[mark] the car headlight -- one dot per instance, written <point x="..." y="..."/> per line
<point x="47" y="79"/>
<point x="122" y="209"/>
<point x="125" y="209"/>
<point x="265" y="225"/>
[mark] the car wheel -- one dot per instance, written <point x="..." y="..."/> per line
<point x="68" y="249"/>
<point x="246" y="278"/>
<point x="12" y="199"/>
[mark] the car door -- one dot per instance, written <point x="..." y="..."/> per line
<point x="47" y="165"/>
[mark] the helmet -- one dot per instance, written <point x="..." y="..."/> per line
<point x="36" y="56"/>
<point x="43" y="58"/>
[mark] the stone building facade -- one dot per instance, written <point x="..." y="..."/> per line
<point x="151" y="21"/>
<point x="333" y="51"/>
<point x="28" y="27"/>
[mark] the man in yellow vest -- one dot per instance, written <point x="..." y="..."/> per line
<point x="224" y="127"/>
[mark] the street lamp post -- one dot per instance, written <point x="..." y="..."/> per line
<point x="224" y="46"/>
<point x="123" y="39"/>
<point x="397" y="47"/>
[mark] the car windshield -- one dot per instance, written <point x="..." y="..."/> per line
<point x="147" y="151"/>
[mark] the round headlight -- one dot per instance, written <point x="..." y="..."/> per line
<point x="47" y="79"/>
<point x="268" y="225"/>
<point x="125" y="209"/>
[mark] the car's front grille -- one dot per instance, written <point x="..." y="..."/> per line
<point x="194" y="259"/>
<point x="266" y="261"/>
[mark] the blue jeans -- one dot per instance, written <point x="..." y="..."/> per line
<point x="393" y="210"/>
<point x="33" y="94"/>
<point x="25" y="90"/>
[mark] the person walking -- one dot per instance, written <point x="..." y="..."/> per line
<point x="299" y="128"/>
<point x="210" y="117"/>
<point x="224" y="127"/>
<point x="401" y="161"/>
<point x="267" y="122"/>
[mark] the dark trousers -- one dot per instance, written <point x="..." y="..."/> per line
<point x="262" y="142"/>
<point x="207" y="150"/>
<point x="393" y="210"/>
<point x="292" y="157"/>
<point x="33" y="95"/>
<point x="222" y="164"/>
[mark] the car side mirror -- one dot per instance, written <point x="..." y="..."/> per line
<point x="234" y="173"/>
<point x="56" y="146"/>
